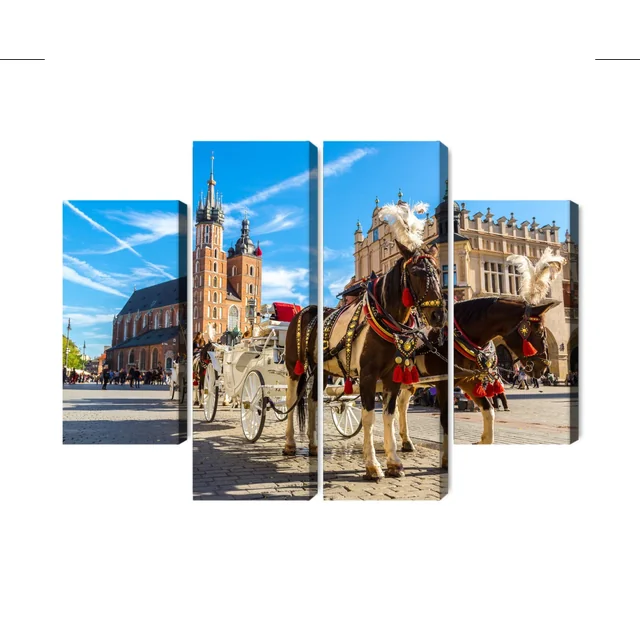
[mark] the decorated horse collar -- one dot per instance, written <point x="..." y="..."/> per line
<point x="385" y="325"/>
<point x="485" y="357"/>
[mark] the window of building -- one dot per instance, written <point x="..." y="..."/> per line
<point x="133" y="328"/>
<point x="215" y="282"/>
<point x="250" y="288"/>
<point x="375" y="234"/>
<point x="126" y="326"/>
<point x="215" y="296"/>
<point x="132" y="357"/>
<point x="143" y="360"/>
<point x="207" y="234"/>
<point x="167" y="318"/>
<point x="234" y="318"/>
<point x="493" y="282"/>
<point x="215" y="312"/>
<point x="250" y="271"/>
<point x="215" y="267"/>
<point x="154" y="359"/>
<point x="208" y="280"/>
<point x="197" y="266"/>
<point x="195" y="312"/>
<point x="144" y="321"/>
<point x="513" y="280"/>
<point x="215" y="253"/>
<point x="156" y="321"/>
<point x="234" y="271"/>
<point x="445" y="275"/>
<point x="177" y="317"/>
<point x="208" y="312"/>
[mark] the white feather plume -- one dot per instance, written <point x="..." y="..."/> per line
<point x="536" y="280"/>
<point x="406" y="227"/>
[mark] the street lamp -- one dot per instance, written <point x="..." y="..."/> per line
<point x="66" y="353"/>
<point x="84" y="346"/>
<point x="250" y="312"/>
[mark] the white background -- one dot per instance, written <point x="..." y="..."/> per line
<point x="105" y="542"/>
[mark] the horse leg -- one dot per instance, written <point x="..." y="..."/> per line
<point x="368" y="396"/>
<point x="488" y="420"/>
<point x="290" y="441"/>
<point x="394" y="463"/>
<point x="403" y="407"/>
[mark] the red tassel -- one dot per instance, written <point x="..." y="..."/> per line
<point x="478" y="391"/>
<point x="498" y="388"/>
<point x="528" y="349"/>
<point x="397" y="374"/>
<point x="490" y="391"/>
<point x="299" y="368"/>
<point x="406" y="376"/>
<point x="348" y="387"/>
<point x="415" y="374"/>
<point x="407" y="298"/>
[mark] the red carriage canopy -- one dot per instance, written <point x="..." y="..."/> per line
<point x="285" y="311"/>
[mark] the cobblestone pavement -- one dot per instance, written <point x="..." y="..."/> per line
<point x="120" y="415"/>
<point x="536" y="416"/>
<point x="344" y="468"/>
<point x="227" y="467"/>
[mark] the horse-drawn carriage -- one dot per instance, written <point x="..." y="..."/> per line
<point x="178" y="380"/>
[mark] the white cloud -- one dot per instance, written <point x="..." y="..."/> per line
<point x="282" y="284"/>
<point x="266" y="243"/>
<point x="334" y="254"/>
<point x="157" y="224"/>
<point x="73" y="276"/>
<point x="284" y="219"/>
<point x="336" y="283"/>
<point x="344" y="163"/>
<point x="334" y="168"/>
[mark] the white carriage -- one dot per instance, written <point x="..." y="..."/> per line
<point x="252" y="375"/>
<point x="178" y="380"/>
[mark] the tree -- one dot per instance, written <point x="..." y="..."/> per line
<point x="75" y="355"/>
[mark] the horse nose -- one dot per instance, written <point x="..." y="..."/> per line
<point x="438" y="318"/>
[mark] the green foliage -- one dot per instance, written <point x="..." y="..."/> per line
<point x="75" y="355"/>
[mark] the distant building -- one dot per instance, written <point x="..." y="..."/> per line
<point x="150" y="330"/>
<point x="481" y="247"/>
<point x="225" y="283"/>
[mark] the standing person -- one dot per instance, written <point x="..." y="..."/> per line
<point x="64" y="374"/>
<point x="106" y="377"/>
<point x="522" y="378"/>
<point x="136" y="375"/>
<point x="132" y="376"/>
<point x="499" y="395"/>
<point x="123" y="376"/>
<point x="534" y="382"/>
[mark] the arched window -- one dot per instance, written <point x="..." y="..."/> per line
<point x="215" y="267"/>
<point x="156" y="321"/>
<point x="132" y="357"/>
<point x="167" y="318"/>
<point x="126" y="327"/>
<point x="195" y="312"/>
<point x="119" y="360"/>
<point x="144" y="321"/>
<point x="177" y="317"/>
<point x="154" y="359"/>
<point x="143" y="360"/>
<point x="234" y="318"/>
<point x="250" y="271"/>
<point x="215" y="312"/>
<point x="234" y="271"/>
<point x="133" y="328"/>
<point x="215" y="282"/>
<point x="215" y="296"/>
<point x="250" y="288"/>
<point x="168" y="363"/>
<point x="215" y="253"/>
<point x="197" y="266"/>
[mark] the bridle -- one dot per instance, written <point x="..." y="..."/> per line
<point x="432" y="283"/>
<point x="524" y="329"/>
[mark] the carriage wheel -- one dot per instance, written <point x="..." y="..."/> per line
<point x="347" y="418"/>
<point x="252" y="409"/>
<point x="172" y="389"/>
<point x="210" y="392"/>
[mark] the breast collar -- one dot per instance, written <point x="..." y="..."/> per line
<point x="485" y="357"/>
<point x="385" y="325"/>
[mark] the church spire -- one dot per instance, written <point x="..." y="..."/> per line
<point x="211" y="196"/>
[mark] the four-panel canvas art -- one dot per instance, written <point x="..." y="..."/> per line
<point x="289" y="372"/>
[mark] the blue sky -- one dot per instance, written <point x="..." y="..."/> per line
<point x="544" y="211"/>
<point x="109" y="247"/>
<point x="270" y="183"/>
<point x="419" y="168"/>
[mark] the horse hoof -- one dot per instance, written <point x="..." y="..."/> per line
<point x="394" y="471"/>
<point x="408" y="446"/>
<point x="374" y="474"/>
<point x="289" y="451"/>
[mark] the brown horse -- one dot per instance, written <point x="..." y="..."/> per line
<point x="363" y="342"/>
<point x="478" y="322"/>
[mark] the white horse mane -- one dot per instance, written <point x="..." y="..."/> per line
<point x="406" y="227"/>
<point x="536" y="280"/>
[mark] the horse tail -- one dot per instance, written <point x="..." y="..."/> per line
<point x="301" y="396"/>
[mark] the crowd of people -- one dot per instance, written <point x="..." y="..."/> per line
<point x="133" y="377"/>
